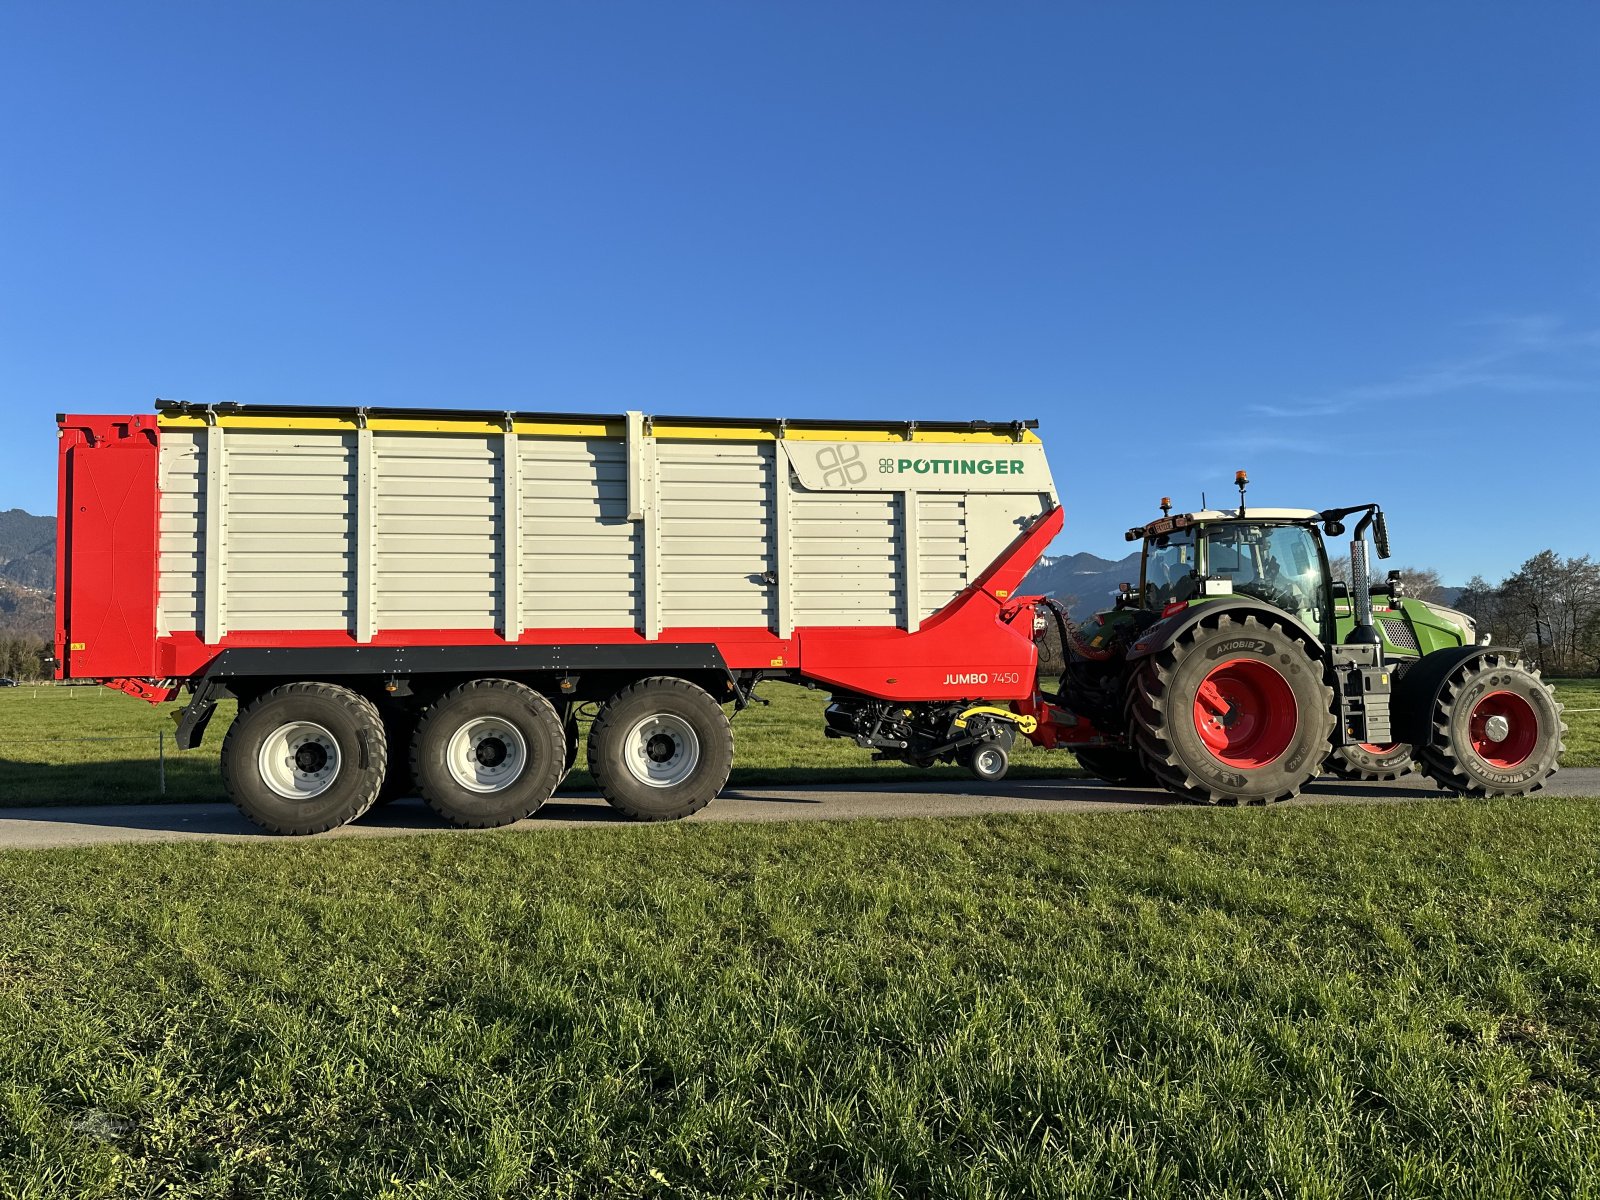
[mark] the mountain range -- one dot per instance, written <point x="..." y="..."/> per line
<point x="1086" y="583"/>
<point x="27" y="573"/>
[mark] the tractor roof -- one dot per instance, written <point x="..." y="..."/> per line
<point x="1256" y="514"/>
<point x="1210" y="515"/>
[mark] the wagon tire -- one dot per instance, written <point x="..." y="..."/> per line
<point x="488" y="753"/>
<point x="305" y="758"/>
<point x="399" y="780"/>
<point x="569" y="733"/>
<point x="660" y="749"/>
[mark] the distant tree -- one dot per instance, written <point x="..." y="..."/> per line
<point x="1589" y="643"/>
<point x="1420" y="583"/>
<point x="1480" y="600"/>
<point x="1549" y="603"/>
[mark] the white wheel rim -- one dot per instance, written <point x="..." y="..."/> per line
<point x="299" y="760"/>
<point x="988" y="761"/>
<point x="486" y="755"/>
<point x="661" y="751"/>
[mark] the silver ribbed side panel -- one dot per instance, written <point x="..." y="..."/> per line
<point x="943" y="560"/>
<point x="847" y="558"/>
<point x="182" y="531"/>
<point x="581" y="556"/>
<point x="291" y="510"/>
<point x="717" y="533"/>
<point x="438" y="560"/>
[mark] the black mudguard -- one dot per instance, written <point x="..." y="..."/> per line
<point x="1416" y="694"/>
<point x="1163" y="633"/>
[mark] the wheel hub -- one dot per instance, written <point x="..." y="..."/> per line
<point x="661" y="750"/>
<point x="299" y="760"/>
<point x="486" y="754"/>
<point x="1245" y="713"/>
<point x="1503" y="730"/>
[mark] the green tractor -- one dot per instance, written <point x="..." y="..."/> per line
<point x="1239" y="669"/>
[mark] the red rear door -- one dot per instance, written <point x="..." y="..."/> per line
<point x="107" y="547"/>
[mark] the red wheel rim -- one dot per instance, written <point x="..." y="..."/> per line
<point x="1380" y="751"/>
<point x="1503" y="730"/>
<point x="1245" y="713"/>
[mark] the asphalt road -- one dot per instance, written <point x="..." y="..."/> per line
<point x="39" y="828"/>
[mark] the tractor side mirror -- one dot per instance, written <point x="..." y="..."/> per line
<point x="1380" y="533"/>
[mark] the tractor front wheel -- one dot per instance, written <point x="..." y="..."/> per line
<point x="1235" y="712"/>
<point x="1496" y="730"/>
<point x="1366" y="761"/>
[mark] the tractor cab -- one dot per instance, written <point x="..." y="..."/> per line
<point x="1273" y="554"/>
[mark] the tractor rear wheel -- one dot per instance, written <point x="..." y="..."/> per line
<point x="1366" y="761"/>
<point x="1497" y="730"/>
<point x="1119" y="768"/>
<point x="1235" y="712"/>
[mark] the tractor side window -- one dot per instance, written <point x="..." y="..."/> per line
<point x="1275" y="563"/>
<point x="1169" y="563"/>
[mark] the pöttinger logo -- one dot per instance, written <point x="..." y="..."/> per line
<point x="841" y="466"/>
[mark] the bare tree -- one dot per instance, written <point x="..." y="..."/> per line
<point x="1550" y="603"/>
<point x="1420" y="583"/>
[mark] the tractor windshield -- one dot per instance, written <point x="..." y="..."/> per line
<point x="1281" y="564"/>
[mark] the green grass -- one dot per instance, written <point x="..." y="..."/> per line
<point x="779" y="743"/>
<point x="1583" y="728"/>
<point x="1355" y="1001"/>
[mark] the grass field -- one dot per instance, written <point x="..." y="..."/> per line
<point x="42" y="760"/>
<point x="1353" y="1001"/>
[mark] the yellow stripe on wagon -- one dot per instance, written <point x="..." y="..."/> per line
<point x="578" y="427"/>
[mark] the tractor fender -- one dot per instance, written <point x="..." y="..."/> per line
<point x="1416" y="692"/>
<point x="1163" y="633"/>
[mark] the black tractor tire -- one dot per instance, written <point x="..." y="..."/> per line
<point x="1362" y="762"/>
<point x="328" y="764"/>
<point x="1119" y="768"/>
<point x="488" y="753"/>
<point x="399" y="781"/>
<point x="660" y="749"/>
<point x="1268" y="712"/>
<point x="1468" y="755"/>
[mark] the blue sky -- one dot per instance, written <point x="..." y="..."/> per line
<point x="1354" y="249"/>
